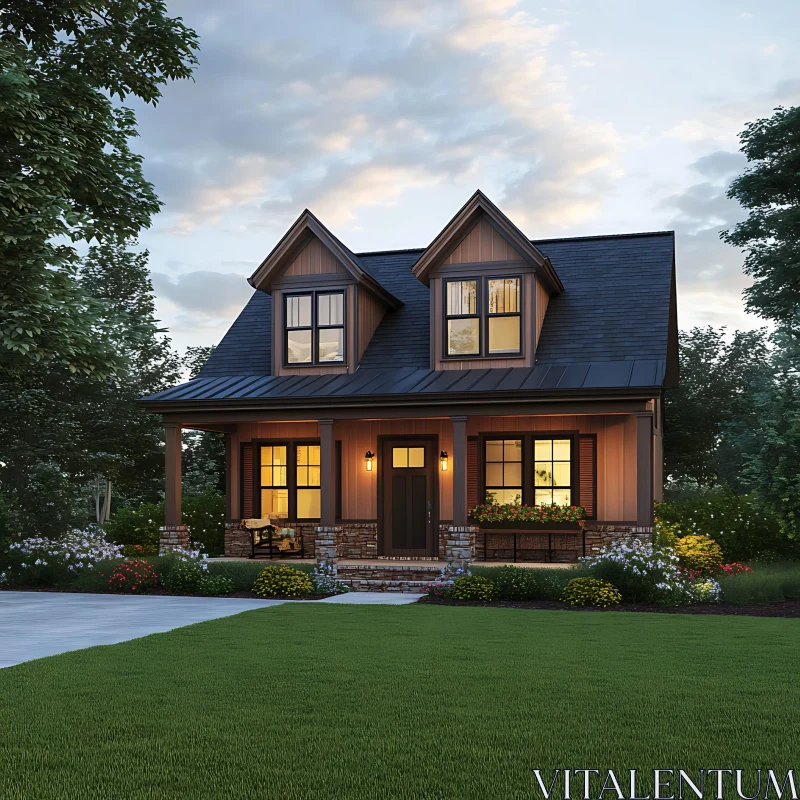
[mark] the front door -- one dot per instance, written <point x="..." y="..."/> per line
<point x="407" y="499"/>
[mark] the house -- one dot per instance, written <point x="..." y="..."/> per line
<point x="370" y="401"/>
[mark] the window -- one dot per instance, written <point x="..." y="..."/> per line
<point x="314" y="325"/>
<point x="530" y="468"/>
<point x="483" y="318"/>
<point x="289" y="479"/>
<point x="404" y="457"/>
<point x="274" y="490"/>
<point x="503" y="471"/>
<point x="552" y="470"/>
<point x="307" y="481"/>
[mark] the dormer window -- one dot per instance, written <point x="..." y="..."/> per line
<point x="483" y="317"/>
<point x="314" y="328"/>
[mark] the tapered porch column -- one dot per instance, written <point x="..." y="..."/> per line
<point x="459" y="471"/>
<point x="327" y="474"/>
<point x="644" y="470"/>
<point x="173" y="534"/>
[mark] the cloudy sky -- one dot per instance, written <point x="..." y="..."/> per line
<point x="383" y="116"/>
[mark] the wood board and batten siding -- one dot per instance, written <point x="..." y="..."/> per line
<point x="314" y="259"/>
<point x="542" y="299"/>
<point x="483" y="243"/>
<point x="615" y="454"/>
<point x="370" y="313"/>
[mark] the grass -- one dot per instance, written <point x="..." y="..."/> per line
<point x="323" y="701"/>
<point x="767" y="583"/>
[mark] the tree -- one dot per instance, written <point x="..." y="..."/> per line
<point x="67" y="173"/>
<point x="709" y="415"/>
<point x="203" y="451"/>
<point x="770" y="236"/>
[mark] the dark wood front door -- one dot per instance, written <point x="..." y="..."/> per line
<point x="407" y="496"/>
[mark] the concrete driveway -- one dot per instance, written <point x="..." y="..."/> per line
<point x="38" y="624"/>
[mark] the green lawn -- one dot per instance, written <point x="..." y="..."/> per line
<point x="325" y="701"/>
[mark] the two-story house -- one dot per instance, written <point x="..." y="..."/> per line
<point x="369" y="401"/>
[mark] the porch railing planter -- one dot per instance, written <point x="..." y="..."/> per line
<point x="515" y="515"/>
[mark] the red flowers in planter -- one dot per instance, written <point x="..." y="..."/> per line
<point x="514" y="512"/>
<point x="134" y="575"/>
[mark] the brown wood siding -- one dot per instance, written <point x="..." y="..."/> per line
<point x="473" y="489"/>
<point x="542" y="299"/>
<point x="278" y="367"/>
<point x="314" y="259"/>
<point x="616" y="456"/>
<point x="370" y="313"/>
<point x="482" y="243"/>
<point x="247" y="483"/>
<point x="588" y="474"/>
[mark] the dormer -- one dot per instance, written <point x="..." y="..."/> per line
<point x="326" y="304"/>
<point x="489" y="289"/>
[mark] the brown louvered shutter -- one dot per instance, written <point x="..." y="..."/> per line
<point x="472" y="472"/>
<point x="246" y="478"/>
<point x="587" y="479"/>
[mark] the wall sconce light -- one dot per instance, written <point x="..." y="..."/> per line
<point x="368" y="458"/>
<point x="443" y="459"/>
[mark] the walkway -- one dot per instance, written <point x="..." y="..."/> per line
<point x="38" y="624"/>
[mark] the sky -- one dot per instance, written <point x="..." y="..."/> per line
<point x="383" y="116"/>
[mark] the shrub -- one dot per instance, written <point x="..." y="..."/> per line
<point x="205" y="516"/>
<point x="699" y="553"/>
<point x="706" y="590"/>
<point x="133" y="576"/>
<point x="134" y="550"/>
<point x="742" y="527"/>
<point x="439" y="589"/>
<point x="642" y="573"/>
<point x="215" y="585"/>
<point x="514" y="583"/>
<point x="590" y="592"/>
<point x="37" y="561"/>
<point x="281" y="580"/>
<point x="325" y="582"/>
<point x="243" y="573"/>
<point x="136" y="526"/>
<point x="186" y="571"/>
<point x="472" y="587"/>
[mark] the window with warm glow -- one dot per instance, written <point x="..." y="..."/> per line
<point x="314" y="328"/>
<point x="307" y="481"/>
<point x="503" y="471"/>
<point x="552" y="471"/>
<point x="483" y="317"/>
<point x="274" y="489"/>
<point x="407" y="457"/>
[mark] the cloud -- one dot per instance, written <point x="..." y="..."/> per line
<point x="204" y="293"/>
<point x="345" y="106"/>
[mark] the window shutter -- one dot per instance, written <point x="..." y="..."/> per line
<point x="472" y="472"/>
<point x="587" y="479"/>
<point x="338" y="446"/>
<point x="246" y="477"/>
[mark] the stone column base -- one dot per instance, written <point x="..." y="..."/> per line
<point x="172" y="536"/>
<point x="238" y="543"/>
<point x="325" y="545"/>
<point x="458" y="545"/>
<point x="599" y="535"/>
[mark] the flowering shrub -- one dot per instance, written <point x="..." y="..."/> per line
<point x="734" y="569"/>
<point x="281" y="580"/>
<point x="133" y="576"/>
<point x="472" y="587"/>
<point x="700" y="553"/>
<point x="516" y="512"/>
<point x="129" y="550"/>
<point x="325" y="582"/>
<point x="186" y="571"/>
<point x="37" y="561"/>
<point x="514" y="583"/>
<point x="590" y="592"/>
<point x="642" y="572"/>
<point x="706" y="590"/>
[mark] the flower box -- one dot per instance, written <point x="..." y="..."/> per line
<point x="523" y="525"/>
<point x="515" y="515"/>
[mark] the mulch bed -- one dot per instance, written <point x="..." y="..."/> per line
<point x="787" y="608"/>
<point x="157" y="593"/>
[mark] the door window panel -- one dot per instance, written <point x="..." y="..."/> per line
<point x="406" y="457"/>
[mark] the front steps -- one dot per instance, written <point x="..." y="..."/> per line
<point x="389" y="576"/>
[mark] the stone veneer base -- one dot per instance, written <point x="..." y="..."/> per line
<point x="172" y="536"/>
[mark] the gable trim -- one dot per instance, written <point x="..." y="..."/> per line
<point x="463" y="222"/>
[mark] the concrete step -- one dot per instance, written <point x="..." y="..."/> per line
<point x="392" y="571"/>
<point x="378" y="585"/>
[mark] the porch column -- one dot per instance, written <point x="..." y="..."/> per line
<point x="327" y="474"/>
<point x="459" y="471"/>
<point x="172" y="490"/>
<point x="644" y="470"/>
<point x="173" y="534"/>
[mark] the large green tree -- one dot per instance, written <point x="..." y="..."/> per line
<point x="770" y="191"/>
<point x="67" y="173"/>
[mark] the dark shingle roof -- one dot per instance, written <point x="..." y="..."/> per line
<point x="614" y="308"/>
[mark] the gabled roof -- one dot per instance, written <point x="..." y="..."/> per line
<point x="617" y="306"/>
<point x="477" y="206"/>
<point x="306" y="227"/>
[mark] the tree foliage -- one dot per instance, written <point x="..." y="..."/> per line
<point x="67" y="173"/>
<point x="770" y="236"/>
